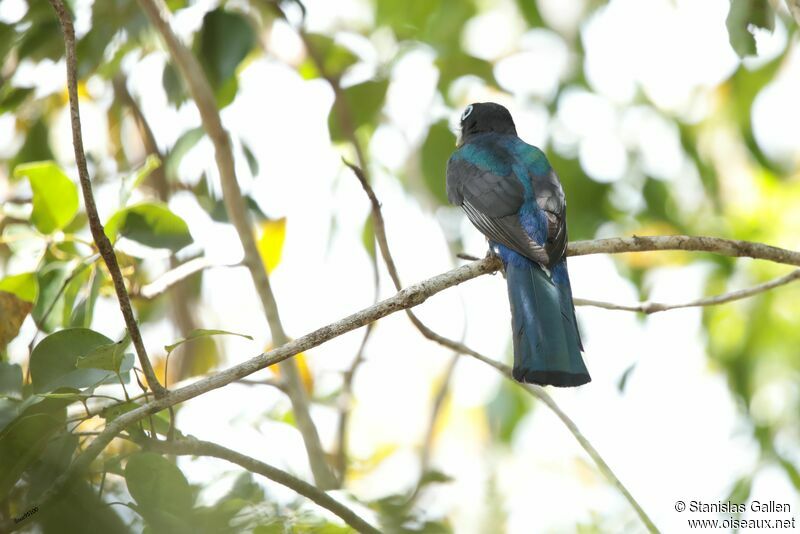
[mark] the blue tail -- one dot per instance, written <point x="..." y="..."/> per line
<point x="547" y="344"/>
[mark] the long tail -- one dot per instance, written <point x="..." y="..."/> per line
<point x="547" y="344"/>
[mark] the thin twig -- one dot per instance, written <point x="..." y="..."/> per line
<point x="201" y="92"/>
<point x="271" y="382"/>
<point x="346" y="404"/>
<point x="436" y="409"/>
<point x="342" y="110"/>
<point x="654" y="307"/>
<point x="380" y="234"/>
<point x="96" y="227"/>
<point x="196" y="447"/>
<point x="174" y="276"/>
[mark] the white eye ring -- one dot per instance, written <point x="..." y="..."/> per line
<point x="466" y="113"/>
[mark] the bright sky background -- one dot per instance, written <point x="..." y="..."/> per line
<point x="675" y="433"/>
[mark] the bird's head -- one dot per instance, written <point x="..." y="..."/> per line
<point x="484" y="117"/>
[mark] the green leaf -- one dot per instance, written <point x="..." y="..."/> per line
<point x="36" y="146"/>
<point x="530" y="10"/>
<point x="791" y="471"/>
<point x="185" y="142"/>
<point x="151" y="224"/>
<point x="742" y="15"/>
<point x="335" y="58"/>
<point x="432" y="476"/>
<point x="83" y="312"/>
<point x="54" y="359"/>
<point x="407" y="19"/>
<point x="363" y="102"/>
<point x="7" y="37"/>
<point x="222" y="43"/>
<point x="55" y="197"/>
<point x="160" y="420"/>
<point x="157" y="484"/>
<point x="173" y="85"/>
<point x="437" y="23"/>
<point x="436" y="150"/>
<point x="24" y="285"/>
<point x="506" y="410"/>
<point x="78" y="280"/>
<point x="201" y="332"/>
<point x="11" y="97"/>
<point x="10" y="379"/>
<point x="252" y="161"/>
<point x="9" y="409"/>
<point x="21" y="443"/>
<point x="623" y="380"/>
<point x="140" y="175"/>
<point x="368" y="236"/>
<point x="108" y="357"/>
<point x="42" y="41"/>
<point x="456" y="64"/>
<point x="53" y="461"/>
<point x="51" y="279"/>
<point x="740" y="492"/>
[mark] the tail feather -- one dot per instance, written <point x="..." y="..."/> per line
<point x="547" y="344"/>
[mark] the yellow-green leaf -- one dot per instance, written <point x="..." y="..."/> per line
<point x="25" y="286"/>
<point x="55" y="197"/>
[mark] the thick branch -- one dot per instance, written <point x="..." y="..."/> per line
<point x="198" y="85"/>
<point x="654" y="307"/>
<point x="717" y="245"/>
<point x="196" y="447"/>
<point x="96" y="227"/>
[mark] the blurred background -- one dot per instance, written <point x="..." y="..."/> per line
<point x="646" y="110"/>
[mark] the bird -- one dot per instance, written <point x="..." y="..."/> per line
<point x="513" y="196"/>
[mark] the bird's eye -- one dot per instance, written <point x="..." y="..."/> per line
<point x="466" y="113"/>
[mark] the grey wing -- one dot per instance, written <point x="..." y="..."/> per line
<point x="492" y="204"/>
<point x="551" y="200"/>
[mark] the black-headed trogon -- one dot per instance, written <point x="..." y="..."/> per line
<point x="512" y="195"/>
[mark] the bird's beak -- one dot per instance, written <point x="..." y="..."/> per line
<point x="459" y="139"/>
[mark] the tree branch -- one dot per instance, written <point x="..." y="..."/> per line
<point x="411" y="296"/>
<point x="460" y="348"/>
<point x="342" y="110"/>
<point x="96" y="227"/>
<point x="717" y="245"/>
<point x="180" y="298"/>
<point x="654" y="307"/>
<point x="427" y="444"/>
<point x="203" y="96"/>
<point x="174" y="276"/>
<point x="794" y="9"/>
<point x="196" y="447"/>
